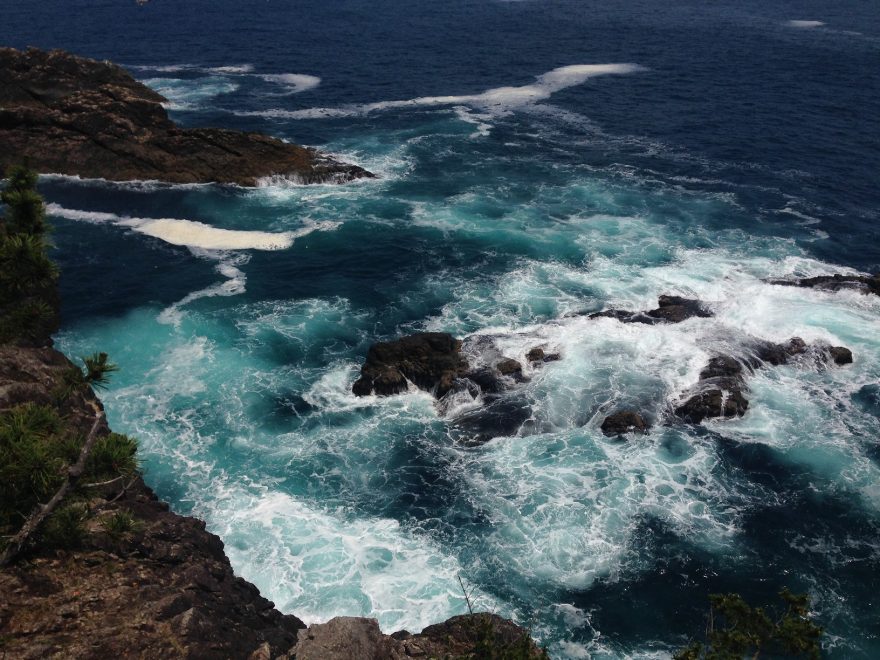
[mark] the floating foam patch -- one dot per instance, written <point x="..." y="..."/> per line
<point x="497" y="100"/>
<point x="805" y="24"/>
<point x="293" y="82"/>
<point x="194" y="234"/>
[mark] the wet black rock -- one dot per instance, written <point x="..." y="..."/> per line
<point x="670" y="309"/>
<point x="430" y="360"/>
<point x="537" y="355"/>
<point x="720" y="392"/>
<point x="841" y="355"/>
<point x="863" y="283"/>
<point x="624" y="421"/>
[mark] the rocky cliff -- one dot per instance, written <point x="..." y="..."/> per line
<point x="71" y="115"/>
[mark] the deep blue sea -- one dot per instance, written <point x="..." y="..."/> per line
<point x="535" y="158"/>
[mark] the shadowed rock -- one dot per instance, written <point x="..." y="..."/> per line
<point x="467" y="636"/>
<point x="670" y="309"/>
<point x="863" y="283"/>
<point x="430" y="360"/>
<point x="71" y="115"/>
<point x="624" y="421"/>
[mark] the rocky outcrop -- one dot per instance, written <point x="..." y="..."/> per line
<point x="459" y="638"/>
<point x="71" y="115"/>
<point x="624" y="421"/>
<point x="670" y="309"/>
<point x="432" y="361"/>
<point x="863" y="283"/>
<point x="721" y="388"/>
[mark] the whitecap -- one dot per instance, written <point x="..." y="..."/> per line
<point x="804" y="24"/>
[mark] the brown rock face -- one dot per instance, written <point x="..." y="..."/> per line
<point x="66" y="114"/>
<point x="461" y="637"/>
<point x="430" y="360"/>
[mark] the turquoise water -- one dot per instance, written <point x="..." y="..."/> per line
<point x="510" y="194"/>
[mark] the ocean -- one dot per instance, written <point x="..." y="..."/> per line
<point x="535" y="159"/>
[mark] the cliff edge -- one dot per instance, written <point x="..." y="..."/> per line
<point x="65" y="114"/>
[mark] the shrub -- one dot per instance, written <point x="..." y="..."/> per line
<point x="737" y="630"/>
<point x="65" y="528"/>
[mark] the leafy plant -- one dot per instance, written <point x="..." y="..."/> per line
<point x="97" y="370"/>
<point x="737" y="630"/>
<point x="120" y="523"/>
<point x="65" y="528"/>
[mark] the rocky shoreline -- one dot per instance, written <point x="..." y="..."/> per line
<point x="167" y="589"/>
<point x="65" y="114"/>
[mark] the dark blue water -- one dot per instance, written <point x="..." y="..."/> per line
<point x="743" y="146"/>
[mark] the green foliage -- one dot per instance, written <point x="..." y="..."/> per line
<point x="113" y="455"/>
<point x="736" y="630"/>
<point x="491" y="646"/>
<point x="97" y="370"/>
<point x="36" y="448"/>
<point x="120" y="524"/>
<point x="27" y="276"/>
<point x="65" y="528"/>
<point x="31" y="461"/>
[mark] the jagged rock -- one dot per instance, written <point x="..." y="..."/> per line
<point x="777" y="354"/>
<point x="430" y="360"/>
<point x="719" y="392"/>
<point x="350" y="638"/>
<point x="863" y="283"/>
<point x="72" y="115"/>
<point x="624" y="421"/>
<point x="670" y="309"/>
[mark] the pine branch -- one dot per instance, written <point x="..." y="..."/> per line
<point x="42" y="512"/>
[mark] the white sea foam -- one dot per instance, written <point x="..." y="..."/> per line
<point x="193" y="234"/>
<point x="496" y="100"/>
<point x="235" y="68"/>
<point x="804" y="24"/>
<point x="293" y="82"/>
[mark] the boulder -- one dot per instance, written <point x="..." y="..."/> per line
<point x="840" y="355"/>
<point x="65" y="114"/>
<point x="624" y="421"/>
<point x="432" y="361"/>
<point x="720" y="392"/>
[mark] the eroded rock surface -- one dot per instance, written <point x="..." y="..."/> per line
<point x="461" y="637"/>
<point x="66" y="114"/>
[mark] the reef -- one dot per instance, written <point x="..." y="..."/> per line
<point x="64" y="114"/>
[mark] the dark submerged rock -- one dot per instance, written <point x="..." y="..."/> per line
<point x="71" y="115"/>
<point x="430" y="360"/>
<point x="863" y="283"/>
<point x="624" y="421"/>
<point x="670" y="309"/>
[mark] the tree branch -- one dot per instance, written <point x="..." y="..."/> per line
<point x="74" y="472"/>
